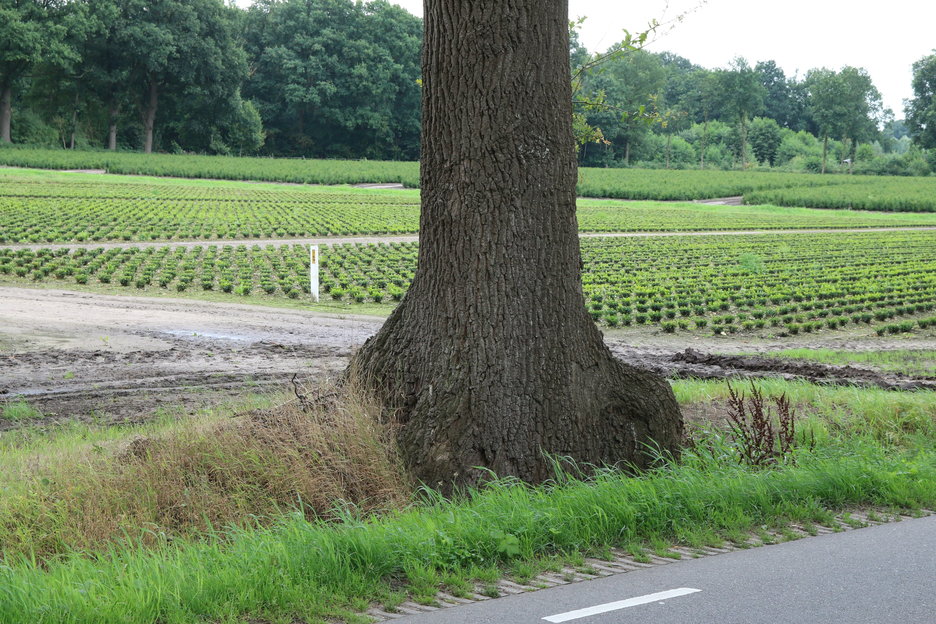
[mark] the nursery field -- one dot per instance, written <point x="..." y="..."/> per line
<point x="46" y="207"/>
<point x="886" y="193"/>
<point x="299" y="170"/>
<point x="670" y="184"/>
<point x="152" y="471"/>
<point x="788" y="283"/>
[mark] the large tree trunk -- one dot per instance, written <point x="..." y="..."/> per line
<point x="74" y="122"/>
<point x="6" y="113"/>
<point x="113" y="115"/>
<point x="491" y="358"/>
<point x="149" y="116"/>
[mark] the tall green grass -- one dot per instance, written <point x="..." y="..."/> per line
<point x="331" y="559"/>
<point x="834" y="413"/>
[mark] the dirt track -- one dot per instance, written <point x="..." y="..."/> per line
<point x="79" y="355"/>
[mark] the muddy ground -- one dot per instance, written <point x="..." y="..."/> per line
<point x="122" y="358"/>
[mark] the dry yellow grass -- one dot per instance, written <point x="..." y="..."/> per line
<point x="201" y="475"/>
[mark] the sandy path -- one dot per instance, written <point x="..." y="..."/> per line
<point x="77" y="353"/>
<point x="412" y="238"/>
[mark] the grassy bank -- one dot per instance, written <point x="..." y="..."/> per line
<point x="280" y="514"/>
<point x="835" y="413"/>
<point x="908" y="362"/>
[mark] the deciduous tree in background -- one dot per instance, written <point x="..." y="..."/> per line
<point x="491" y="359"/>
<point x="336" y="78"/>
<point x="823" y="106"/>
<point x="31" y="32"/>
<point x="629" y="83"/>
<point x="844" y="105"/>
<point x="921" y="109"/>
<point x="765" y="138"/>
<point x="743" y="98"/>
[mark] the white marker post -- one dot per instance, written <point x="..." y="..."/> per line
<point x="314" y="272"/>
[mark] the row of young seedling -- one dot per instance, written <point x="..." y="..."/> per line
<point x="62" y="220"/>
<point x="35" y="210"/>
<point x="694" y="288"/>
<point x="906" y="326"/>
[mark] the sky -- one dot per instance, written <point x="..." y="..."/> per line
<point x="885" y="38"/>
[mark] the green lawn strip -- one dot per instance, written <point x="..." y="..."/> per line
<point x="648" y="216"/>
<point x="908" y="362"/>
<point x="314" y="571"/>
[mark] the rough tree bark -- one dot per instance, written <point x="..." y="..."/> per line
<point x="149" y="116"/>
<point x="6" y="113"/>
<point x="491" y="359"/>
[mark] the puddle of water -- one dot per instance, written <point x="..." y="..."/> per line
<point x="186" y="333"/>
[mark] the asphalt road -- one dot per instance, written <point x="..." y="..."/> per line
<point x="876" y="575"/>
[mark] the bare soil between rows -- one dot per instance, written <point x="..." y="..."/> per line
<point x="122" y="358"/>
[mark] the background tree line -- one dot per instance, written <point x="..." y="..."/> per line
<point x="318" y="78"/>
<point x="752" y="116"/>
<point x="339" y="78"/>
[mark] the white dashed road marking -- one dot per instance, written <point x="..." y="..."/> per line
<point x="620" y="604"/>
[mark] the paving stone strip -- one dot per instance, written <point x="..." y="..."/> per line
<point x="622" y="562"/>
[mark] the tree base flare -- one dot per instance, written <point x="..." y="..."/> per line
<point x="459" y="425"/>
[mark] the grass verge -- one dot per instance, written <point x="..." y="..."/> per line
<point x="84" y="489"/>
<point x="314" y="571"/>
<point x="274" y="564"/>
<point x="19" y="411"/>
<point x="833" y="413"/>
